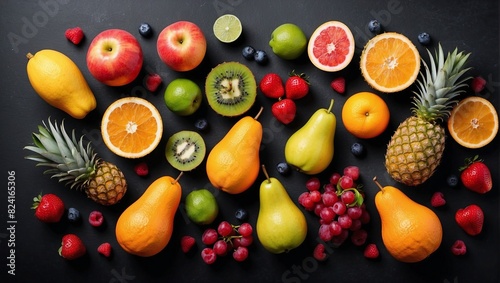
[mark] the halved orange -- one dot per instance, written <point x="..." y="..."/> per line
<point x="390" y="62"/>
<point x="365" y="115"/>
<point x="331" y="46"/>
<point x="131" y="127"/>
<point x="473" y="122"/>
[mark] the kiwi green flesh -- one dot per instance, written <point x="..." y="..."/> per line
<point x="231" y="89"/>
<point x="185" y="150"/>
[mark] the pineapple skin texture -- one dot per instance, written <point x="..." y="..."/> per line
<point x="108" y="185"/>
<point x="414" y="151"/>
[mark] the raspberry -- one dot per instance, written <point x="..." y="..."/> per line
<point x="153" y="81"/>
<point x="187" y="243"/>
<point x="478" y="83"/>
<point x="437" y="199"/>
<point x="96" y="218"/>
<point x="104" y="249"/>
<point x="141" y="169"/>
<point x="75" y="35"/>
<point x="338" y="85"/>
<point x="371" y="251"/>
<point x="458" y="248"/>
<point x="319" y="252"/>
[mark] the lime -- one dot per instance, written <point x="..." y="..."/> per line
<point x="183" y="96"/>
<point x="288" y="41"/>
<point x="201" y="207"/>
<point x="227" y="28"/>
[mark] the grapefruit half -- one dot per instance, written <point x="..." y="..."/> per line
<point x="331" y="46"/>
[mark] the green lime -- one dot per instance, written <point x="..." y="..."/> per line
<point x="227" y="28"/>
<point x="183" y="96"/>
<point x="288" y="41"/>
<point x="201" y="206"/>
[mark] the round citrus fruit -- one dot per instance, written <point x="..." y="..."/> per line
<point x="288" y="41"/>
<point x="365" y="115"/>
<point x="227" y="28"/>
<point x="183" y="96"/>
<point x="131" y="127"/>
<point x="390" y="62"/>
<point x="201" y="207"/>
<point x="331" y="46"/>
<point x="473" y="122"/>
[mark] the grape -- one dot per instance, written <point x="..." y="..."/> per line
<point x="345" y="221"/>
<point x="356" y="225"/>
<point x="335" y="228"/>
<point x="329" y="198"/>
<point x="225" y="229"/>
<point x="348" y="197"/>
<point x="327" y="214"/>
<point x="220" y="247"/>
<point x="208" y="255"/>
<point x="329" y="187"/>
<point x="240" y="253"/>
<point x="359" y="237"/>
<point x="355" y="212"/>
<point x="346" y="182"/>
<point x="339" y="239"/>
<point x="339" y="208"/>
<point x="302" y="197"/>
<point x="315" y="196"/>
<point x="308" y="203"/>
<point x="352" y="171"/>
<point x="318" y="207"/>
<point x="246" y="241"/>
<point x="209" y="236"/>
<point x="245" y="229"/>
<point x="365" y="217"/>
<point x="324" y="232"/>
<point x="313" y="184"/>
<point x="334" y="179"/>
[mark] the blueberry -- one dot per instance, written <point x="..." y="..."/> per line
<point x="374" y="26"/>
<point x="452" y="180"/>
<point x="73" y="214"/>
<point x="145" y="30"/>
<point x="424" y="38"/>
<point x="248" y="52"/>
<point x="260" y="57"/>
<point x="201" y="124"/>
<point x="357" y="149"/>
<point x="241" y="214"/>
<point x="283" y="168"/>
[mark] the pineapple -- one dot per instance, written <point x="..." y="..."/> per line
<point x="76" y="165"/>
<point x="416" y="147"/>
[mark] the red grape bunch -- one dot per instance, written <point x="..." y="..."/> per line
<point x="339" y="204"/>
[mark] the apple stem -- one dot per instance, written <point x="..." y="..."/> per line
<point x="378" y="184"/>
<point x="265" y="172"/>
<point x="178" y="177"/>
<point x="331" y="106"/>
<point x="258" y="114"/>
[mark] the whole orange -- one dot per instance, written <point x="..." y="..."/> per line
<point x="365" y="115"/>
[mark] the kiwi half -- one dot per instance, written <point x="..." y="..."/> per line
<point x="231" y="89"/>
<point x="185" y="150"/>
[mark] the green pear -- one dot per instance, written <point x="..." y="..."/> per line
<point x="310" y="149"/>
<point x="281" y="225"/>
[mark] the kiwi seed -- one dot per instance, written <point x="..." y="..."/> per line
<point x="185" y="150"/>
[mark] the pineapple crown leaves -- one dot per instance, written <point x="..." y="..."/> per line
<point x="440" y="85"/>
<point x="70" y="160"/>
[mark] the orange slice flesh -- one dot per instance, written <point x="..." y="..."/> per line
<point x="390" y="62"/>
<point x="473" y="122"/>
<point x="131" y="127"/>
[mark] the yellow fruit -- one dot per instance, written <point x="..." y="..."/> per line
<point x="390" y="62"/>
<point x="473" y="122"/>
<point x="131" y="127"/>
<point x="59" y="81"/>
<point x="145" y="227"/>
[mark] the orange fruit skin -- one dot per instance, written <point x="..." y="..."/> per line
<point x="410" y="232"/>
<point x="145" y="227"/>
<point x="365" y="115"/>
<point x="233" y="164"/>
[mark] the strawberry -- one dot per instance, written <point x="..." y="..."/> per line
<point x="75" y="35"/>
<point x="470" y="219"/>
<point x="338" y="85"/>
<point x="141" y="169"/>
<point x="271" y="86"/>
<point x="284" y="110"/>
<point x="104" y="249"/>
<point x="153" y="81"/>
<point x="187" y="243"/>
<point x="72" y="247"/>
<point x="458" y="248"/>
<point x="476" y="176"/>
<point x="371" y="251"/>
<point x="49" y="208"/>
<point x="477" y="84"/>
<point x="296" y="86"/>
<point x="437" y="199"/>
<point x="319" y="252"/>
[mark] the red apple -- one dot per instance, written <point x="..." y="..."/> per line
<point x="182" y="46"/>
<point x="114" y="57"/>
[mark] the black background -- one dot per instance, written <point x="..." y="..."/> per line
<point x="472" y="26"/>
